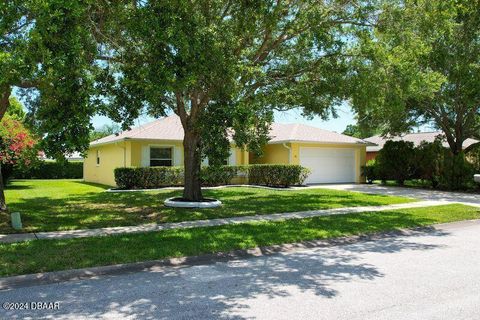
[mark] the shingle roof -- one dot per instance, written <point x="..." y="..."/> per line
<point x="304" y="133"/>
<point x="170" y="128"/>
<point x="416" y="138"/>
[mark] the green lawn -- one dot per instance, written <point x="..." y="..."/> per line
<point x="50" y="255"/>
<point x="408" y="183"/>
<point x="48" y="205"/>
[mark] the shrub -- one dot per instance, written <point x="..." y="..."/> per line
<point x="277" y="175"/>
<point x="399" y="160"/>
<point x="428" y="162"/>
<point x="370" y="171"/>
<point x="148" y="178"/>
<point x="218" y="175"/>
<point x="456" y="173"/>
<point x="50" y="170"/>
<point x="16" y="146"/>
<point x="396" y="161"/>
<point x="158" y="177"/>
<point x="473" y="157"/>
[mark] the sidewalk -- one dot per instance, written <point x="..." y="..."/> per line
<point x="10" y="238"/>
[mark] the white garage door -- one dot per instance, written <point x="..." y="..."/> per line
<point x="329" y="165"/>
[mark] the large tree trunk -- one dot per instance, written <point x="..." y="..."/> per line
<point x="454" y="141"/>
<point x="4" y="103"/>
<point x="4" y="100"/>
<point x="3" y="204"/>
<point x="192" y="165"/>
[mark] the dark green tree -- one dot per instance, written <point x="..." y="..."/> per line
<point x="48" y="50"/>
<point x="360" y="131"/>
<point x="396" y="161"/>
<point x="420" y="64"/>
<point x="105" y="130"/>
<point x="223" y="66"/>
<point x="15" y="109"/>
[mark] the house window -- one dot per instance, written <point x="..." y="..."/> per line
<point x="161" y="156"/>
<point x="98" y="157"/>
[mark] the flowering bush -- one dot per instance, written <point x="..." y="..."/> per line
<point x="16" y="145"/>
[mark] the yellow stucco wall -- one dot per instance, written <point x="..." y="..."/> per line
<point x="274" y="154"/>
<point x="111" y="156"/>
<point x="241" y="157"/>
<point x="133" y="153"/>
<point x="363" y="161"/>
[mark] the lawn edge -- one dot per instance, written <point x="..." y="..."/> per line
<point x="213" y="222"/>
<point x="35" y="279"/>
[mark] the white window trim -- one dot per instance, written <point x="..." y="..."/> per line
<point x="150" y="146"/>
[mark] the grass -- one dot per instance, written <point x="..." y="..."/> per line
<point x="51" y="255"/>
<point x="48" y="205"/>
<point x="415" y="183"/>
<point x="425" y="184"/>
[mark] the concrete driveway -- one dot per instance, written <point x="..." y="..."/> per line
<point x="430" y="274"/>
<point x="423" y="194"/>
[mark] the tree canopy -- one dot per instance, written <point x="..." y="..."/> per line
<point x="420" y="64"/>
<point x="48" y="52"/>
<point x="224" y="66"/>
<point x="15" y="109"/>
<point x="105" y="130"/>
<point x="360" y="131"/>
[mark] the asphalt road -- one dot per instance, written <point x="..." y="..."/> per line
<point x="432" y="274"/>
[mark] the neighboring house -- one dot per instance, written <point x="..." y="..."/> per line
<point x="332" y="157"/>
<point x="417" y="138"/>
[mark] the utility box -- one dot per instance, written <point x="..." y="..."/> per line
<point x="16" y="220"/>
<point x="476" y="178"/>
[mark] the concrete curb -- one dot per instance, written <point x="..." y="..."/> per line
<point x="37" y="279"/>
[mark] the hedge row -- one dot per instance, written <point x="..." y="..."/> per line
<point x="401" y="161"/>
<point x="158" y="177"/>
<point x="148" y="178"/>
<point x="279" y="175"/>
<point x="50" y="170"/>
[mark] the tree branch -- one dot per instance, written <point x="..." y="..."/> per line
<point x="27" y="84"/>
<point x="180" y="111"/>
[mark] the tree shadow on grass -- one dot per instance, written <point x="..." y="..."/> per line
<point x="92" y="184"/>
<point x="223" y="289"/>
<point x="103" y="209"/>
<point x="11" y="186"/>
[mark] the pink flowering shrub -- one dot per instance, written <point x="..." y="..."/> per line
<point x="17" y="146"/>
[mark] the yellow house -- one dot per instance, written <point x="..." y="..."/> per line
<point x="331" y="157"/>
